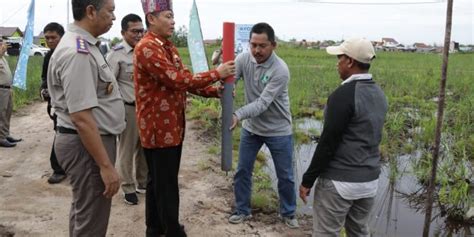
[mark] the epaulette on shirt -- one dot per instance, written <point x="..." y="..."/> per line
<point x="81" y="46"/>
<point x="118" y="47"/>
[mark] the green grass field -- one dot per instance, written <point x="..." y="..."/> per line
<point x="410" y="81"/>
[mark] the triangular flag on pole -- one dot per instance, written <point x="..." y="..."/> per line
<point x="196" y="43"/>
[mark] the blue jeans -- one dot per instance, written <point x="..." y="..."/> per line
<point x="281" y="149"/>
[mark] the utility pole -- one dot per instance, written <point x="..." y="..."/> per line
<point x="67" y="10"/>
<point x="439" y="123"/>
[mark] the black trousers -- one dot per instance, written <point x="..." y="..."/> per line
<point x="162" y="192"/>
<point x="57" y="169"/>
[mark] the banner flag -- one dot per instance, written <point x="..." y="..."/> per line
<point x="242" y="36"/>
<point x="19" y="79"/>
<point x="196" y="43"/>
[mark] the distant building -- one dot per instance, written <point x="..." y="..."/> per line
<point x="453" y="47"/>
<point x="389" y="44"/>
<point x="212" y="42"/>
<point x="466" y="49"/>
<point x="422" y="47"/>
<point x="40" y="40"/>
<point x="7" y="32"/>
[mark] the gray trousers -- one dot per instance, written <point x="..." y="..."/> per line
<point x="90" y="210"/>
<point x="6" y="108"/>
<point x="331" y="212"/>
<point x="131" y="158"/>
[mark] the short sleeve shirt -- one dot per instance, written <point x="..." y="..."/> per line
<point x="5" y="73"/>
<point x="79" y="78"/>
<point x="120" y="60"/>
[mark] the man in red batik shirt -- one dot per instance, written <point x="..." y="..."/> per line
<point x="161" y="83"/>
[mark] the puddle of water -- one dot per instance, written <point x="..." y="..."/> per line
<point x="394" y="213"/>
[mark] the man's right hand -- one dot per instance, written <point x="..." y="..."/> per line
<point x="3" y="49"/>
<point x="226" y="69"/>
<point x="111" y="181"/>
<point x="304" y="193"/>
<point x="45" y="94"/>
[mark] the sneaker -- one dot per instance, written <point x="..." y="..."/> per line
<point x="56" y="178"/>
<point x="291" y="222"/>
<point x="131" y="198"/>
<point x="141" y="190"/>
<point x="237" y="218"/>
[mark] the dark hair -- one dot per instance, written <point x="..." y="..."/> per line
<point x="55" y="27"/>
<point x="263" y="27"/>
<point x="363" y="66"/>
<point x="129" y="18"/>
<point x="79" y="7"/>
<point x="147" y="23"/>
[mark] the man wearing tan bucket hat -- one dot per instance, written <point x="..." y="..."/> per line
<point x="161" y="83"/>
<point x="347" y="159"/>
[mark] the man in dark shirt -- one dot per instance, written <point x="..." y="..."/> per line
<point x="52" y="33"/>
<point x="347" y="158"/>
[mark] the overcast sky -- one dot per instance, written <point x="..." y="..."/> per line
<point x="301" y="19"/>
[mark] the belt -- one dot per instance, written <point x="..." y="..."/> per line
<point x="5" y="87"/>
<point x="66" y="130"/>
<point x="72" y="131"/>
<point x="131" y="103"/>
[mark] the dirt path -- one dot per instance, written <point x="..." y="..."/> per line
<point x="29" y="206"/>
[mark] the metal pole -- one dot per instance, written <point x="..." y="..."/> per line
<point x="227" y="98"/>
<point x="439" y="124"/>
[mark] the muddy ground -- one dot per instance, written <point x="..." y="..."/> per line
<point x="29" y="206"/>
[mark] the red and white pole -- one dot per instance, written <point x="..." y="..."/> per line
<point x="227" y="98"/>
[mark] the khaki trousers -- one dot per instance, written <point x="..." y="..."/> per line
<point x="331" y="212"/>
<point x="131" y="159"/>
<point x="6" y="108"/>
<point x="90" y="209"/>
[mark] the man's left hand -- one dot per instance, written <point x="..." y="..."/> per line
<point x="220" y="91"/>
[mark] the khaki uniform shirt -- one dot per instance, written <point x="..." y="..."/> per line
<point x="5" y="73"/>
<point x="79" y="78"/>
<point x="121" y="62"/>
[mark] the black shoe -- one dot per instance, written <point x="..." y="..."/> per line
<point x="6" y="143"/>
<point x="56" y="178"/>
<point x="14" y="140"/>
<point x="131" y="199"/>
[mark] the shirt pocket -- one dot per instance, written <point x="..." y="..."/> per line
<point x="105" y="85"/>
<point x="129" y="70"/>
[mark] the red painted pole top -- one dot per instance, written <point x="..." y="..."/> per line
<point x="228" y="45"/>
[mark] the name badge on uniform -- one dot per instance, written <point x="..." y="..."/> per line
<point x="110" y="88"/>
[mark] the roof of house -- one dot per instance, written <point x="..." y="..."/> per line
<point x="391" y="40"/>
<point x="421" y="45"/>
<point x="9" y="31"/>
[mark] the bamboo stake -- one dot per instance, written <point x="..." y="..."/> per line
<point x="439" y="123"/>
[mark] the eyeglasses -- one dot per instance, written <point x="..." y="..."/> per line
<point x="137" y="31"/>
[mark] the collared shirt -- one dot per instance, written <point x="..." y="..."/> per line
<point x="120" y="60"/>
<point x="356" y="77"/>
<point x="6" y="78"/>
<point x="267" y="109"/>
<point x="79" y="78"/>
<point x="161" y="82"/>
